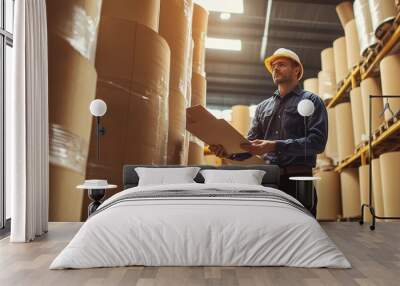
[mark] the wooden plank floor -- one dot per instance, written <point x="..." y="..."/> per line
<point x="375" y="257"/>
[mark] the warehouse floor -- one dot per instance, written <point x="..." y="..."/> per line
<point x="375" y="257"/>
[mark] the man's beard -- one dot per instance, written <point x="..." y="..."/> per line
<point x="282" y="79"/>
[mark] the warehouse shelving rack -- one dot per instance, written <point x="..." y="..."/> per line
<point x="387" y="137"/>
<point x="389" y="131"/>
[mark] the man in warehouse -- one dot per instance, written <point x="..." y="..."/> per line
<point x="278" y="132"/>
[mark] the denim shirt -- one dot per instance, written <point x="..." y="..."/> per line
<point x="277" y="119"/>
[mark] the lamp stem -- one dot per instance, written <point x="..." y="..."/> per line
<point x="98" y="136"/>
<point x="305" y="137"/>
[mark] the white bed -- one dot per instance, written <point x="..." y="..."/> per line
<point x="185" y="230"/>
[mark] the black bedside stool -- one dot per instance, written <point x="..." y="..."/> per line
<point x="96" y="191"/>
<point x="305" y="187"/>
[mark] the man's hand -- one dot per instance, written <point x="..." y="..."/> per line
<point x="219" y="151"/>
<point x="259" y="147"/>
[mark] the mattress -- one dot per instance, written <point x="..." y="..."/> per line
<point x="201" y="225"/>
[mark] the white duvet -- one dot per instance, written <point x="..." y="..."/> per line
<point x="200" y="231"/>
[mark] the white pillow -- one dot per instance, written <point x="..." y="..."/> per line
<point x="248" y="177"/>
<point x="163" y="176"/>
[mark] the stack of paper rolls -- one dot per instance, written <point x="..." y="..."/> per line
<point x="72" y="37"/>
<point x="133" y="80"/>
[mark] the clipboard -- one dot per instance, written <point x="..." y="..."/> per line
<point x="213" y="131"/>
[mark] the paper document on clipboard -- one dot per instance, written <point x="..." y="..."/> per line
<point x="213" y="131"/>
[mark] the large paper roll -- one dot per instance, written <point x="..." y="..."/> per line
<point x="350" y="191"/>
<point x="382" y="13"/>
<point x="331" y="149"/>
<point x="328" y="191"/>
<point x="357" y="114"/>
<point x="340" y="57"/>
<point x="390" y="166"/>
<point x="352" y="45"/>
<point x="377" y="188"/>
<point x="345" y="12"/>
<point x="241" y="118"/>
<point x="365" y="31"/>
<point x="311" y="85"/>
<point x="146" y="12"/>
<point x="327" y="60"/>
<point x="344" y="130"/>
<point x="72" y="37"/>
<point x="199" y="89"/>
<point x="200" y="24"/>
<point x="177" y="34"/>
<point x="133" y="79"/>
<point x="371" y="86"/>
<point x="326" y="84"/>
<point x="72" y="86"/>
<point x="363" y="172"/>
<point x="390" y="71"/>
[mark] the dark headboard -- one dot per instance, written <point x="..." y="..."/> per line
<point x="270" y="179"/>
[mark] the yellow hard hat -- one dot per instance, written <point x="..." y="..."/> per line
<point x="283" y="53"/>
